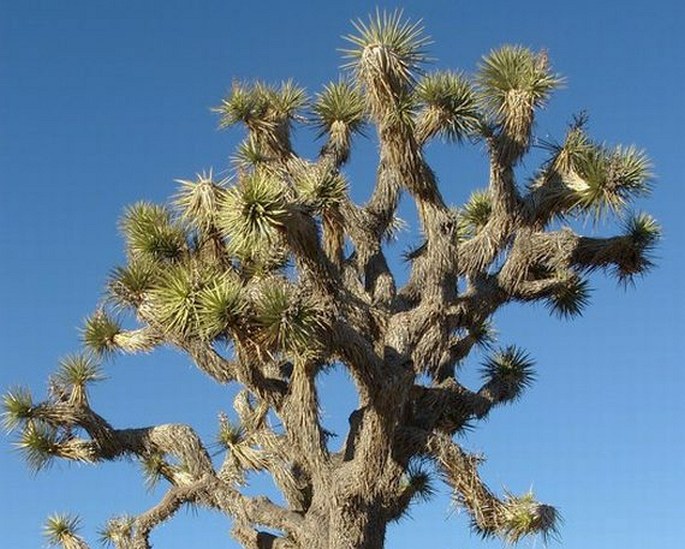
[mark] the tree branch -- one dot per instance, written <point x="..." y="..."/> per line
<point x="511" y="518"/>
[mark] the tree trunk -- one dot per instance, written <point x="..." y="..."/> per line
<point x="344" y="522"/>
<point x="356" y="524"/>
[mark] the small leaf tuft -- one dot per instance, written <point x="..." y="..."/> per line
<point x="17" y="406"/>
<point x="253" y="212"/>
<point x="508" y="373"/>
<point x="150" y="233"/>
<point x="450" y="109"/>
<point x="571" y="298"/>
<point x="340" y="106"/>
<point x="99" y="331"/>
<point x="61" y="530"/>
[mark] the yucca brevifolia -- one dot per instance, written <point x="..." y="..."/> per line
<point x="272" y="276"/>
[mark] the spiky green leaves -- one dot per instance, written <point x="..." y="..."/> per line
<point x="476" y="212"/>
<point x="245" y="104"/>
<point x="99" y="332"/>
<point x="575" y="147"/>
<point x="644" y="230"/>
<point x="508" y="373"/>
<point x="220" y="305"/>
<point x="233" y="437"/>
<point x="158" y="465"/>
<point x="62" y="530"/>
<point x="127" y="285"/>
<point x="116" y="531"/>
<point x="643" y="233"/>
<point x="339" y="110"/>
<point x="38" y="444"/>
<point x="40" y="441"/>
<point x="606" y="179"/>
<point x="319" y="188"/>
<point x="587" y="178"/>
<point x="515" y="68"/>
<point x="513" y="81"/>
<point x="449" y="107"/>
<point x="623" y="256"/>
<point x="261" y="106"/>
<point x="287" y="99"/>
<point x="199" y="202"/>
<point x="417" y="480"/>
<point x="150" y="233"/>
<point x="252" y="214"/>
<point x="196" y="300"/>
<point x="75" y="372"/>
<point x="287" y="322"/>
<point x="484" y="334"/>
<point x="230" y="434"/>
<point x="17" y="407"/>
<point x="524" y="516"/>
<point x="386" y="56"/>
<point x="78" y="369"/>
<point x="172" y="300"/>
<point x="571" y="298"/>
<point x="250" y="155"/>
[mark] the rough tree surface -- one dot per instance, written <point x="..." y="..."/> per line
<point x="270" y="277"/>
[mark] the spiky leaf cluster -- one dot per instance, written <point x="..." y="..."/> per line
<point x="220" y="305"/>
<point x="116" y="530"/>
<point x="232" y="436"/>
<point x="643" y="233"/>
<point x="261" y="106"/>
<point x="245" y="104"/>
<point x="253" y="212"/>
<point x="513" y="81"/>
<point x="75" y="372"/>
<point x="510" y="70"/>
<point x="62" y="530"/>
<point x="484" y="334"/>
<point x="38" y="444"/>
<point x="128" y="284"/>
<point x="251" y="154"/>
<point x="99" y="332"/>
<point x="199" y="202"/>
<point x="286" y="321"/>
<point x="320" y="189"/>
<point x="606" y="179"/>
<point x="525" y="516"/>
<point x="418" y="480"/>
<point x="477" y="210"/>
<point x="230" y="433"/>
<point x="154" y="468"/>
<point x="576" y="146"/>
<point x="449" y="107"/>
<point x="387" y="54"/>
<point x="508" y="372"/>
<point x="287" y="99"/>
<point x="17" y="405"/>
<point x="571" y="298"/>
<point x="172" y="302"/>
<point x="339" y="110"/>
<point x="150" y="233"/>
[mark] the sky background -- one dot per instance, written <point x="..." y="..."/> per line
<point x="103" y="103"/>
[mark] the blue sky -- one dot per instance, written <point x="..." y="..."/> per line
<point x="105" y="103"/>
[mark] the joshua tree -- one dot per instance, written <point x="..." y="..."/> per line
<point x="274" y="275"/>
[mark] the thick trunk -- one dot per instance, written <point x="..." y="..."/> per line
<point x="344" y="522"/>
<point x="356" y="525"/>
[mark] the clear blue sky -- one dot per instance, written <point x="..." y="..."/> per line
<point x="103" y="103"/>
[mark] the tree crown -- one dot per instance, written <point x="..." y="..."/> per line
<point x="271" y="276"/>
